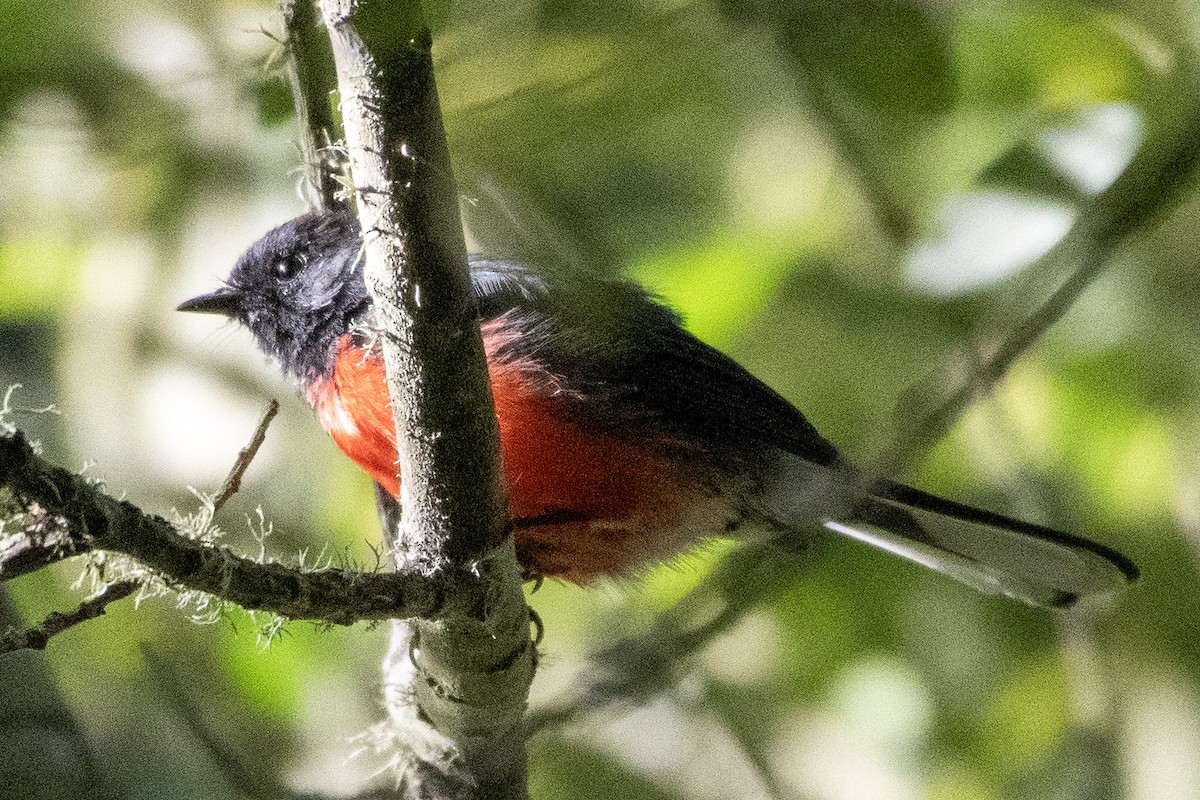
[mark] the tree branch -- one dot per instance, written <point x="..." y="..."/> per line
<point x="468" y="677"/>
<point x="233" y="481"/>
<point x="416" y="271"/>
<point x="37" y="637"/>
<point x="309" y="73"/>
<point x="63" y="514"/>
<point x="1148" y="187"/>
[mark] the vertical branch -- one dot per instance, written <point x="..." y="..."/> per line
<point x="310" y="74"/>
<point x="416" y="271"/>
<point x="469" y="676"/>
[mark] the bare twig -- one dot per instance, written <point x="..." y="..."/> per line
<point x="309" y="72"/>
<point x="1149" y="187"/>
<point x="37" y="637"/>
<point x="233" y="481"/>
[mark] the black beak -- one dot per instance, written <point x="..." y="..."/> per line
<point x="226" y="300"/>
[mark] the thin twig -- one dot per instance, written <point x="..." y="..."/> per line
<point x="37" y="637"/>
<point x="636" y="668"/>
<point x="308" y="68"/>
<point x="912" y="441"/>
<point x="233" y="481"/>
<point x="1148" y="188"/>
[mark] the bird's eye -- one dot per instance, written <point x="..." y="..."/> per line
<point x="287" y="267"/>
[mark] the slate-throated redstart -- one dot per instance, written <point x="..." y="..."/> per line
<point x="624" y="438"/>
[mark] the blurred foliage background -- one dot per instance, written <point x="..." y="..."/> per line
<point x="853" y="199"/>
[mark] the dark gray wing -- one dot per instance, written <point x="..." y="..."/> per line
<point x="634" y="364"/>
<point x="611" y="341"/>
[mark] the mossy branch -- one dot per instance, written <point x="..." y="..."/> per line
<point x="308" y="69"/>
<point x="64" y="514"/>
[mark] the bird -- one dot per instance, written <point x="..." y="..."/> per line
<point x="625" y="440"/>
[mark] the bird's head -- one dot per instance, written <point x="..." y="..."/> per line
<point x="298" y="289"/>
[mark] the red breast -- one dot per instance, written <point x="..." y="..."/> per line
<point x="583" y="503"/>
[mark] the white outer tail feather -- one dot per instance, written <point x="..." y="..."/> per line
<point x="987" y="552"/>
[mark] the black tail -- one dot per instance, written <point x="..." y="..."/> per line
<point x="991" y="552"/>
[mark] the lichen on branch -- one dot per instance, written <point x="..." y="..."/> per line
<point x="63" y="514"/>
